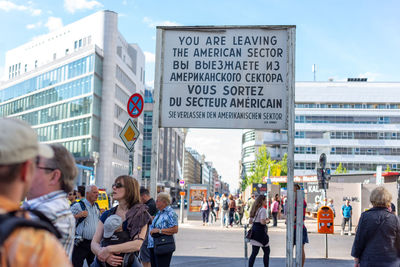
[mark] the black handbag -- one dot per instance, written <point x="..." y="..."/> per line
<point x="163" y="244"/>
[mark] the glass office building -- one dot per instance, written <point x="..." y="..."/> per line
<point x="73" y="87"/>
<point x="355" y="123"/>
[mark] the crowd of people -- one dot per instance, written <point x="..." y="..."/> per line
<point x="45" y="222"/>
<point x="231" y="210"/>
<point x="59" y="226"/>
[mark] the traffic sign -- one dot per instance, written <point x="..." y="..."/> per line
<point x="129" y="134"/>
<point x="135" y="105"/>
<point x="182" y="182"/>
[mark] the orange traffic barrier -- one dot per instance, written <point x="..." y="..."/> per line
<point x="325" y="218"/>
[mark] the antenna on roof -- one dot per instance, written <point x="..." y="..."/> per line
<point x="314" y="70"/>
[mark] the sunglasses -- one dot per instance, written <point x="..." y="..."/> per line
<point x="117" y="185"/>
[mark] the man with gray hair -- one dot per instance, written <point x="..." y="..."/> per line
<point x="87" y="214"/>
<point x="52" y="181"/>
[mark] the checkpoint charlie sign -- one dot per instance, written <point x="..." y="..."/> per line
<point x="225" y="77"/>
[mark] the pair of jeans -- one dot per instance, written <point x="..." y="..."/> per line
<point x="254" y="253"/>
<point x="275" y="217"/>
<point x="346" y="221"/>
<point x="205" y="214"/>
<point x="231" y="214"/>
<point x="160" y="260"/>
<point x="81" y="252"/>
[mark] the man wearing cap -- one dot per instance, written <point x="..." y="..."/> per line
<point x="53" y="179"/>
<point x="26" y="246"/>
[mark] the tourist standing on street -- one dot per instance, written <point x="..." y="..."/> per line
<point x="377" y="241"/>
<point x="87" y="217"/>
<point x="27" y="246"/>
<point x="205" y="210"/>
<point x="259" y="237"/>
<point x="212" y="215"/>
<point x="216" y="207"/>
<point x="224" y="210"/>
<point x="347" y="212"/>
<point x="165" y="223"/>
<point x="152" y="209"/>
<point x="240" y="208"/>
<point x="135" y="220"/>
<point x="232" y="209"/>
<point x="53" y="179"/>
<point x="275" y="210"/>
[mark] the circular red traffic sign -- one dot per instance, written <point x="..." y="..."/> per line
<point x="135" y="105"/>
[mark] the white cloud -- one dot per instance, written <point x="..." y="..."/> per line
<point x="36" y="12"/>
<point x="10" y="6"/>
<point x="74" y="5"/>
<point x="34" y="25"/>
<point x="150" y="57"/>
<point x="152" y="23"/>
<point x="54" y="23"/>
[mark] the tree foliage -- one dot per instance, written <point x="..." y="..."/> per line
<point x="388" y="168"/>
<point x="340" y="169"/>
<point x="260" y="169"/>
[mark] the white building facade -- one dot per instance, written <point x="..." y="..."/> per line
<point x="354" y="123"/>
<point x="72" y="85"/>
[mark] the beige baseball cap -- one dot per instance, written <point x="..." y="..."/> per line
<point x="19" y="142"/>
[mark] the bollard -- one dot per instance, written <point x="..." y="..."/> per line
<point x="245" y="246"/>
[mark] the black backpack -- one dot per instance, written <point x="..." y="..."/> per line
<point x="225" y="204"/>
<point x="83" y="207"/>
<point x="10" y="221"/>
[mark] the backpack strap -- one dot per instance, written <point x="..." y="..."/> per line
<point x="80" y="220"/>
<point x="10" y="221"/>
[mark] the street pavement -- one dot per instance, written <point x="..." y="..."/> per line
<point x="212" y="245"/>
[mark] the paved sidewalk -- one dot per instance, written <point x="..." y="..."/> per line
<point x="240" y="262"/>
<point x="310" y="223"/>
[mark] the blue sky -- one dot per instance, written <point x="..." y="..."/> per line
<point x="344" y="38"/>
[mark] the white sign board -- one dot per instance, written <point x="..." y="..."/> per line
<point x="225" y="77"/>
<point x="182" y="182"/>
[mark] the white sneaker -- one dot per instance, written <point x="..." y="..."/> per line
<point x="341" y="232"/>
<point x="349" y="233"/>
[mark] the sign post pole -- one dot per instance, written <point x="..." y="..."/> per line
<point x="182" y="184"/>
<point x="156" y="116"/>
<point x="131" y="162"/>
<point x="290" y="161"/>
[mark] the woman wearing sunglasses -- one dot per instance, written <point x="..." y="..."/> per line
<point x="135" y="220"/>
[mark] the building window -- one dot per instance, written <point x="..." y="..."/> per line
<point x="80" y="43"/>
<point x="76" y="45"/>
<point x="36" y="63"/>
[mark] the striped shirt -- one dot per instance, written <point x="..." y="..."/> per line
<point x="164" y="219"/>
<point x="87" y="227"/>
<point x="56" y="207"/>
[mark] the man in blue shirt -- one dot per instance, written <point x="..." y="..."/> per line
<point x="347" y="212"/>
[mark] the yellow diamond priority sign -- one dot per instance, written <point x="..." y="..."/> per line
<point x="129" y="134"/>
